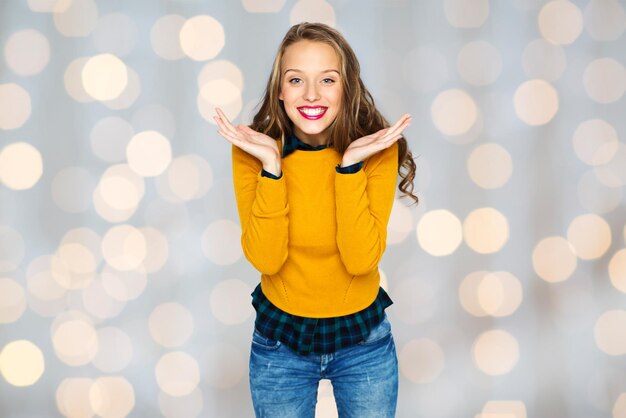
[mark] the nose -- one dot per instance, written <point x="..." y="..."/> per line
<point x="310" y="93"/>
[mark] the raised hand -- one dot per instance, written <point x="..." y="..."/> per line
<point x="369" y="145"/>
<point x="259" y="145"/>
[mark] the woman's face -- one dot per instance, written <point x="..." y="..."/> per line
<point x="311" y="89"/>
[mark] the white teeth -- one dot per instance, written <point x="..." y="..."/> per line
<point x="313" y="112"/>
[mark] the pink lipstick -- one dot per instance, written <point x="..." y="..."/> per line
<point x="314" y="112"/>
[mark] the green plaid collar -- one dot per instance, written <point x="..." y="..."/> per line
<point x="293" y="143"/>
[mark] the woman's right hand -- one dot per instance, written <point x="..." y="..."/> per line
<point x="259" y="145"/>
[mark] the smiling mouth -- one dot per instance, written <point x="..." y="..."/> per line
<point x="312" y="113"/>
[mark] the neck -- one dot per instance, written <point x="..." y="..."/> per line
<point x="313" y="144"/>
<point x="312" y="140"/>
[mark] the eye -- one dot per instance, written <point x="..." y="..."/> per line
<point x="330" y="80"/>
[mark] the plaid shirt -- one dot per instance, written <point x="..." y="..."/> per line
<point x="316" y="335"/>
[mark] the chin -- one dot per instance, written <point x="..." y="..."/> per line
<point x="313" y="131"/>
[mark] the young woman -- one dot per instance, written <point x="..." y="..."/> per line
<point x="315" y="177"/>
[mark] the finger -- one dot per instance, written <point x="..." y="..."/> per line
<point x="249" y="134"/>
<point x="225" y="135"/>
<point x="223" y="121"/>
<point x="219" y="115"/>
<point x="375" y="136"/>
<point x="400" y="121"/>
<point x="371" y="137"/>
<point x="233" y="138"/>
<point x="390" y="141"/>
<point x="392" y="130"/>
<point x="247" y="129"/>
<point x="398" y="129"/>
<point x="405" y="117"/>
<point x="227" y="125"/>
<point x="234" y="134"/>
<point x="220" y="123"/>
<point x="380" y="136"/>
<point x="399" y="125"/>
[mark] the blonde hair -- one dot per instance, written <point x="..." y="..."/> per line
<point x="358" y="116"/>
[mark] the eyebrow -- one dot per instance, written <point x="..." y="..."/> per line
<point x="299" y="71"/>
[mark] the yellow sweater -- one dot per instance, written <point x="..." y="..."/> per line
<point x="315" y="235"/>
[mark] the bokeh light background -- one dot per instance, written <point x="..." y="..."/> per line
<point x="123" y="289"/>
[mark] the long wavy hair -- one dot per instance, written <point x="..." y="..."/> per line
<point x="358" y="116"/>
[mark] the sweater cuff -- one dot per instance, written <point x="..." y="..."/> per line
<point x="265" y="173"/>
<point x="349" y="169"/>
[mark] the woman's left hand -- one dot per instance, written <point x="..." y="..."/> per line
<point x="369" y="145"/>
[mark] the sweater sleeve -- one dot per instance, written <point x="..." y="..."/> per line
<point x="363" y="203"/>
<point x="263" y="213"/>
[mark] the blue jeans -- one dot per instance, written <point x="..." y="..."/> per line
<point x="364" y="377"/>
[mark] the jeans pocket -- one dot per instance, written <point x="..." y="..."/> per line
<point x="259" y="340"/>
<point x="379" y="333"/>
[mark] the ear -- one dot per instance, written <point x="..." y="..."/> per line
<point x="280" y="95"/>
